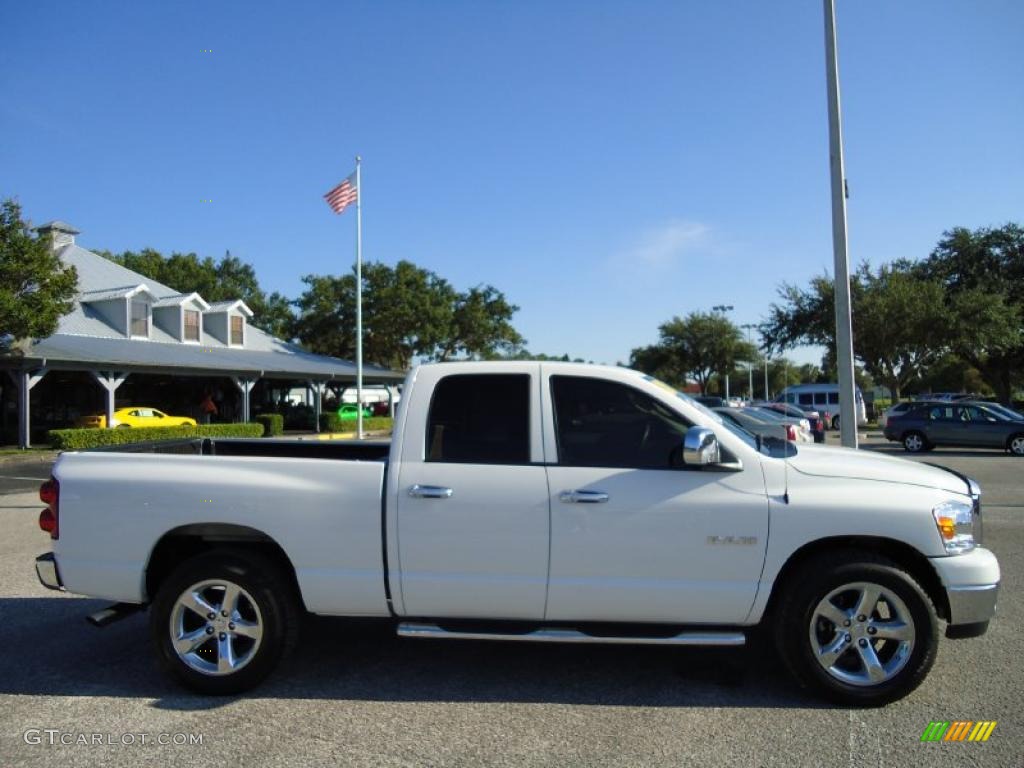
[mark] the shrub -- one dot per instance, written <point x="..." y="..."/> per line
<point x="329" y="422"/>
<point x="82" y="439"/>
<point x="273" y="424"/>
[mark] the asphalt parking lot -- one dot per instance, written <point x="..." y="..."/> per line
<point x="356" y="695"/>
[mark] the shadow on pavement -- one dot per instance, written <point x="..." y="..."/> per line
<point x="51" y="651"/>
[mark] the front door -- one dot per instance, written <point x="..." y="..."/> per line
<point x="472" y="501"/>
<point x="635" y="537"/>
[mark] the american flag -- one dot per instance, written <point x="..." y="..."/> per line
<point x="343" y="195"/>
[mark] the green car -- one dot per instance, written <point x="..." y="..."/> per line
<point x="349" y="411"/>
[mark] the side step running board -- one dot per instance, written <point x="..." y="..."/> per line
<point x="410" y="629"/>
<point x="112" y="613"/>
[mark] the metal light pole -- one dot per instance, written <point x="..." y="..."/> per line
<point x="844" y="330"/>
<point x="723" y="308"/>
<point x="750" y="364"/>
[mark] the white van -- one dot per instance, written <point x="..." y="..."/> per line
<point x="823" y="398"/>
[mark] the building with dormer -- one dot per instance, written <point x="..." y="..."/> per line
<point x="130" y="340"/>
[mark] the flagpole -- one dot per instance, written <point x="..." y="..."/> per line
<point x="359" y="302"/>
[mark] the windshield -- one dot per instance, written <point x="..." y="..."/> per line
<point x="769" y="446"/>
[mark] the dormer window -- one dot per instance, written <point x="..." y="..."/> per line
<point x="140" y="319"/>
<point x="237" y="330"/>
<point x="191" y="325"/>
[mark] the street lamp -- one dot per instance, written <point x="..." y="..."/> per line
<point x="750" y="363"/>
<point x="722" y="309"/>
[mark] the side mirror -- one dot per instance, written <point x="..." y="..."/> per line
<point x="700" y="447"/>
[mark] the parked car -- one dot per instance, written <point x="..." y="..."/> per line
<point x="136" y="416"/>
<point x="350" y="411"/>
<point x="596" y="505"/>
<point x="927" y="425"/>
<point x="766" y="426"/>
<point x="710" y="401"/>
<point x="817" y="424"/>
<point x="802" y="425"/>
<point x="897" y="409"/>
<point x="823" y="398"/>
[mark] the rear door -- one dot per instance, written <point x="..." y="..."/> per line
<point x="472" y="495"/>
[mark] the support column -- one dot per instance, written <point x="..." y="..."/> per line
<point x="245" y="387"/>
<point x="391" y="401"/>
<point x="110" y="381"/>
<point x="318" y="388"/>
<point x="25" y="381"/>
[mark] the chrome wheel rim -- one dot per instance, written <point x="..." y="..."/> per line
<point x="913" y="443"/>
<point x="862" y="634"/>
<point x="1017" y="446"/>
<point x="216" y="627"/>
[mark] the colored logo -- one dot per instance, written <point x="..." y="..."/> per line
<point x="959" y="730"/>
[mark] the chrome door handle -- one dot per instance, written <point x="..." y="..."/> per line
<point x="430" y="492"/>
<point x="583" y="497"/>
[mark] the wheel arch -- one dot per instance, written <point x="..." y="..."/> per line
<point x="904" y="555"/>
<point x="185" y="542"/>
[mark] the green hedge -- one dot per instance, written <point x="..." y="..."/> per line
<point x="273" y="424"/>
<point x="329" y="422"/>
<point x="80" y="439"/>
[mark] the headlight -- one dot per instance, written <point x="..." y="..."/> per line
<point x="955" y="521"/>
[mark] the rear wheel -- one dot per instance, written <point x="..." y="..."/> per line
<point x="857" y="628"/>
<point x="835" y="422"/>
<point x="222" y="621"/>
<point x="914" y="442"/>
<point x="1016" y="445"/>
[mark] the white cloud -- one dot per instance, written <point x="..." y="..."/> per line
<point x="663" y="246"/>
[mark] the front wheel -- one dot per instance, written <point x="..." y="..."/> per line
<point x="1016" y="445"/>
<point x="835" y="422"/>
<point x="857" y="628"/>
<point x="914" y="442"/>
<point x="222" y="621"/>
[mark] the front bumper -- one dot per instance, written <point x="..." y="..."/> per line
<point x="46" y="570"/>
<point x="971" y="582"/>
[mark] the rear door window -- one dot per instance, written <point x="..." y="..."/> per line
<point x="806" y="398"/>
<point x="480" y="419"/>
<point x="833" y="398"/>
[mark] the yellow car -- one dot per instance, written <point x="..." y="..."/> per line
<point x="137" y="416"/>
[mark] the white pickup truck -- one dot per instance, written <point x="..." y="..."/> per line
<point x="528" y="501"/>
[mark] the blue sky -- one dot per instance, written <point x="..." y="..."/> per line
<point x="606" y="165"/>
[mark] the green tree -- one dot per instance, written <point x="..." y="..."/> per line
<point x="697" y="346"/>
<point x="408" y="312"/>
<point x="481" y="327"/>
<point x="899" y="324"/>
<point x="983" y="274"/>
<point x="36" y="289"/>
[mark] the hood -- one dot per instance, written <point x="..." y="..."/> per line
<point x="868" y="465"/>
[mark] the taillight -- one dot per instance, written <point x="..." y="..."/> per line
<point x="49" y="518"/>
<point x="791" y="432"/>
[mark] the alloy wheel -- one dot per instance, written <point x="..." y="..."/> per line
<point x="862" y="634"/>
<point x="216" y="627"/>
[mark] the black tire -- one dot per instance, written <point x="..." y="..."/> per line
<point x="266" y="601"/>
<point x="799" y="627"/>
<point x="1015" y="444"/>
<point x="124" y="426"/>
<point x="835" y="422"/>
<point x="915" y="442"/>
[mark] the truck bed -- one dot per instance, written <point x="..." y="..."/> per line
<point x="351" y="450"/>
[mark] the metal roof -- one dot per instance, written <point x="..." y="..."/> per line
<point x="60" y="226"/>
<point x="282" y="360"/>
<point x="226" y="306"/>
<point x="181" y="298"/>
<point x="84" y="339"/>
